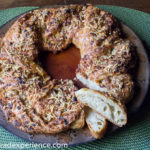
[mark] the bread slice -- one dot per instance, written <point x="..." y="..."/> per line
<point x="80" y="122"/>
<point x="106" y="106"/>
<point x="96" y="123"/>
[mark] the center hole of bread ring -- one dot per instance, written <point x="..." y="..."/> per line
<point x="62" y="65"/>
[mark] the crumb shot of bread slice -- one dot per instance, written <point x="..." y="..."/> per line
<point x="96" y="123"/>
<point x="105" y="106"/>
<point x="80" y="122"/>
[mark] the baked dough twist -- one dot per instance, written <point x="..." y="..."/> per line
<point x="29" y="98"/>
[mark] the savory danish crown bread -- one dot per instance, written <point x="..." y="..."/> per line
<point x="34" y="102"/>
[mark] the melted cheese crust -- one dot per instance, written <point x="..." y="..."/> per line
<point x="29" y="98"/>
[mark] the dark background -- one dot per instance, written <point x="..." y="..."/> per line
<point x="142" y="5"/>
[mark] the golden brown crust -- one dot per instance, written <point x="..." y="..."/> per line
<point x="80" y="122"/>
<point x="23" y="83"/>
<point x="33" y="102"/>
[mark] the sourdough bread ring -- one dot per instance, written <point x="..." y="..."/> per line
<point x="34" y="102"/>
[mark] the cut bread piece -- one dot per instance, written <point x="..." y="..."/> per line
<point x="119" y="86"/>
<point x="89" y="83"/>
<point x="96" y="123"/>
<point x="79" y="123"/>
<point x="106" y="106"/>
